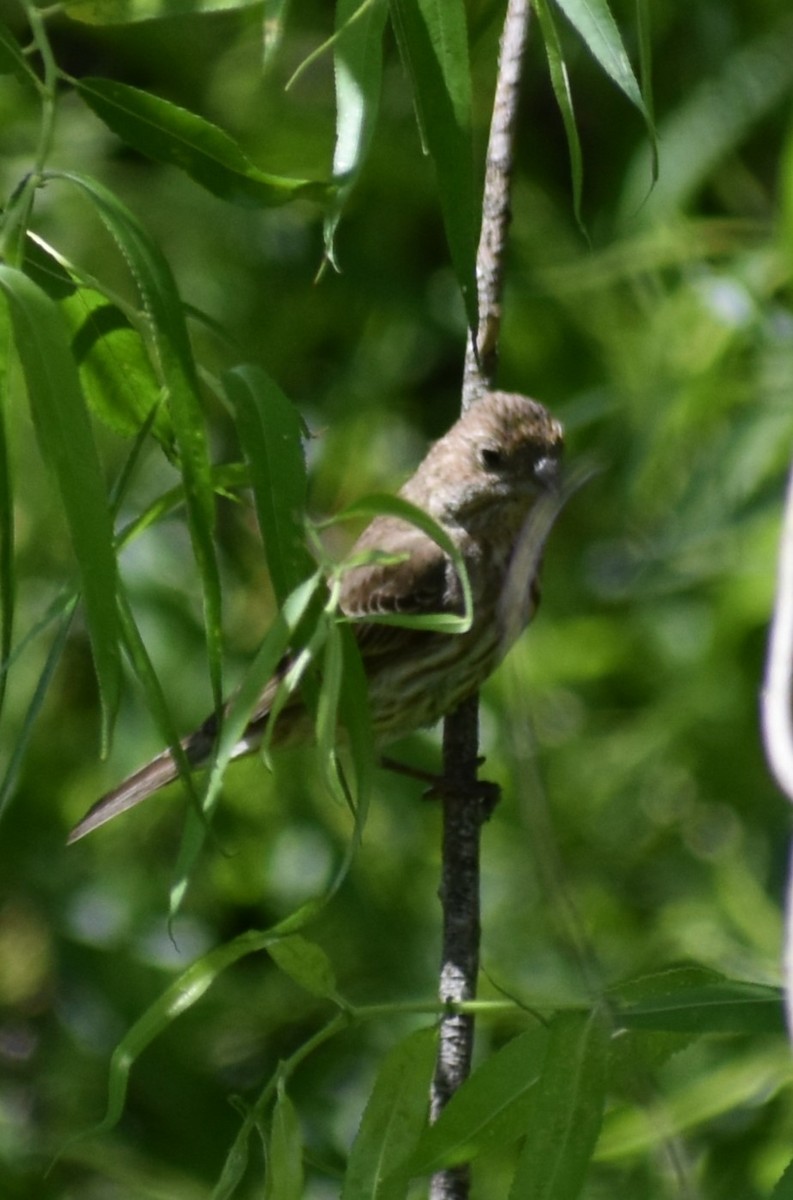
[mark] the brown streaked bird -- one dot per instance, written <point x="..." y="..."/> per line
<point x="481" y="482"/>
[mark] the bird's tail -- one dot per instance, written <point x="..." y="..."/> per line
<point x="144" y="782"/>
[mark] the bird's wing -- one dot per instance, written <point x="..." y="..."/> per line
<point x="418" y="583"/>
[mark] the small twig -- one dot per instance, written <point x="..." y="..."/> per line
<point x="465" y="806"/>
<point x="775" y="712"/>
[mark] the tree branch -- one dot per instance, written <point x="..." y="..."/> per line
<point x="465" y="802"/>
<point x="775" y="711"/>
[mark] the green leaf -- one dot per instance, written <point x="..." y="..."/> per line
<point x="306" y="963"/>
<point x="489" y="1110"/>
<point x="173" y="359"/>
<point x="433" y="43"/>
<point x="44" y="269"/>
<point x="275" y="14"/>
<point x="179" y="996"/>
<point x="284" y="1179"/>
<point x="561" y="88"/>
<point x="64" y="433"/>
<point x="356" y="717"/>
<point x="730" y="1007"/>
<point x="235" y="720"/>
<point x="271" y="431"/>
<point x="567" y="1109"/>
<point x="115" y="369"/>
<point x="358" y="68"/>
<point x="170" y="134"/>
<point x="393" y="1119"/>
<point x="13" y="61"/>
<point x="127" y="12"/>
<point x="596" y="25"/>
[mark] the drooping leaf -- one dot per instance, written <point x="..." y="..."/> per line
<point x="358" y="68"/>
<point x="173" y="359"/>
<point x="170" y="134"/>
<point x="561" y="87"/>
<point x="271" y="433"/>
<point x="596" y="25"/>
<point x="64" y="433"/>
<point x="433" y="42"/>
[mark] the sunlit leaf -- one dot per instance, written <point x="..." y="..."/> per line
<point x="596" y="25"/>
<point x="174" y="361"/>
<point x="358" y="64"/>
<point x="170" y="134"/>
<point x="433" y="42"/>
<point x="564" y="98"/>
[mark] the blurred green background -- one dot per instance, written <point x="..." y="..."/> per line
<point x="639" y="827"/>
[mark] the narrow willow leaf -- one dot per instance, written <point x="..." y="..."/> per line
<point x="567" y="1110"/>
<point x="64" y="433"/>
<point x="236" y="717"/>
<point x="356" y="717"/>
<point x="127" y="12"/>
<point x="273" y="24"/>
<point x="179" y="996"/>
<point x="327" y="718"/>
<point x="358" y="68"/>
<point x="306" y="963"/>
<point x="395" y="506"/>
<point x="173" y="358"/>
<point x="594" y="22"/>
<point x="730" y="1007"/>
<point x="433" y="43"/>
<point x="44" y="269"/>
<point x="170" y="134"/>
<point x="13" y="61"/>
<point x="488" y="1111"/>
<point x="284" y="1179"/>
<point x="561" y="88"/>
<point x="271" y="432"/>
<point x="395" y="1115"/>
<point x="115" y="369"/>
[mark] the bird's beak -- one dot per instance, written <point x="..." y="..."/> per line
<point x="547" y="472"/>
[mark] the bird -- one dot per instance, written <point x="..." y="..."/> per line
<point x="483" y="482"/>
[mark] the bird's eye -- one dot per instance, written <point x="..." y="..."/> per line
<point x="491" y="458"/>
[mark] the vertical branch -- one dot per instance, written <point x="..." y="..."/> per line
<point x="775" y="710"/>
<point x="466" y="803"/>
